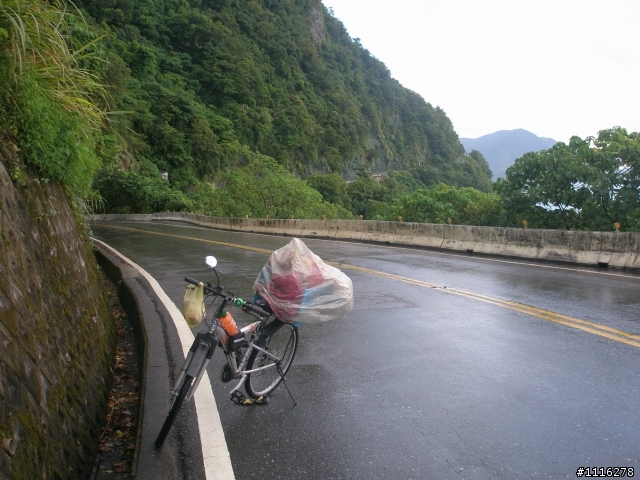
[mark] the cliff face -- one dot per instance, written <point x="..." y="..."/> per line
<point x="56" y="334"/>
<point x="282" y="77"/>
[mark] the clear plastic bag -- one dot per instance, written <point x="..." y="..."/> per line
<point x="193" y="304"/>
<point x="300" y="287"/>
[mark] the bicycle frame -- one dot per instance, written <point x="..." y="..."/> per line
<point x="202" y="350"/>
<point x="243" y="373"/>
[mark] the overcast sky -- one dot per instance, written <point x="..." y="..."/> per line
<point x="554" y="67"/>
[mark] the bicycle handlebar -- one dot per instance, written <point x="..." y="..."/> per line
<point x="238" y="302"/>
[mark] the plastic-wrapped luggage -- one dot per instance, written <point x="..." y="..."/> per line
<point x="300" y="287"/>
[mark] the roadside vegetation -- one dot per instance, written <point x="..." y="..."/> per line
<point x="589" y="184"/>
<point x="52" y="104"/>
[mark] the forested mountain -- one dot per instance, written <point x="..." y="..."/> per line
<point x="203" y="81"/>
<point x="501" y="149"/>
<point x="248" y="105"/>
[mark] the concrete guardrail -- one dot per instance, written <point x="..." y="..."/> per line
<point x="614" y="249"/>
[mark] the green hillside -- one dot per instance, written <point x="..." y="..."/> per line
<point x="207" y="80"/>
<point x="266" y="109"/>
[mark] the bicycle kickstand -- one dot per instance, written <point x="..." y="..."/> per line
<point x="284" y="380"/>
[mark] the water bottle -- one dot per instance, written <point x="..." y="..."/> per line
<point x="227" y="322"/>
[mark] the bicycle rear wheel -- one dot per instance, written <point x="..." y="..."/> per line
<point x="280" y="340"/>
<point x="177" y="403"/>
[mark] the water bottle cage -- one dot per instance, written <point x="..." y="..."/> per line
<point x="237" y="341"/>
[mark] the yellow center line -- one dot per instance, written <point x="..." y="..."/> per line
<point x="594" y="328"/>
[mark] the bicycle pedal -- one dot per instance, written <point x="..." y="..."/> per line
<point x="237" y="397"/>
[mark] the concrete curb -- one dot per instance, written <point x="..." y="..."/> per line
<point x="154" y="367"/>
<point x="149" y="309"/>
<point x="614" y="249"/>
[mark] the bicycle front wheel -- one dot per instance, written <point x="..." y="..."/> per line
<point x="280" y="340"/>
<point x="177" y="403"/>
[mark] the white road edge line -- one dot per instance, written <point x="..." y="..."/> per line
<point x="215" y="454"/>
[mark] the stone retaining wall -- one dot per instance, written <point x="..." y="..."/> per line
<point x="56" y="333"/>
<point x="615" y="249"/>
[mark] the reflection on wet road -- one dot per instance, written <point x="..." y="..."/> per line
<point x="418" y="383"/>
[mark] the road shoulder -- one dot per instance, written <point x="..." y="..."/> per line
<point x="160" y="330"/>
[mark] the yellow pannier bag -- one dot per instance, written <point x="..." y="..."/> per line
<point x="193" y="304"/>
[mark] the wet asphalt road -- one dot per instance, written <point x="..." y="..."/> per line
<point x="416" y="383"/>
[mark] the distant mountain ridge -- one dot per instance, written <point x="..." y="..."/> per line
<point x="501" y="149"/>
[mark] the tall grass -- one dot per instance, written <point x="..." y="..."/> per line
<point x="50" y="92"/>
<point x="52" y="39"/>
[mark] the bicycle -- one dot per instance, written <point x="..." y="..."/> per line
<point x="259" y="356"/>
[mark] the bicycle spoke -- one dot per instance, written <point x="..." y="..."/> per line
<point x="281" y="342"/>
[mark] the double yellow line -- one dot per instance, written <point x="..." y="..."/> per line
<point x="594" y="328"/>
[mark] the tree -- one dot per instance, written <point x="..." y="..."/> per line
<point x="398" y="183"/>
<point x="264" y="188"/>
<point x="541" y="188"/>
<point x="138" y="192"/>
<point x="589" y="184"/>
<point x="482" y="163"/>
<point x="363" y="189"/>
<point x="465" y="206"/>
<point x="332" y="188"/>
<point x="612" y="178"/>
